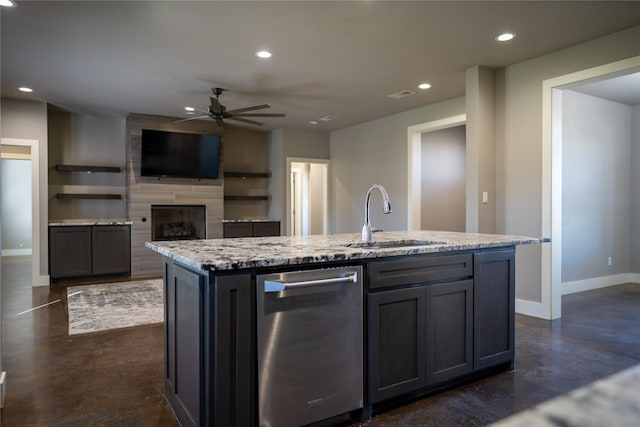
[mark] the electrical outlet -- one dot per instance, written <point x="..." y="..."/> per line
<point x="609" y="261"/>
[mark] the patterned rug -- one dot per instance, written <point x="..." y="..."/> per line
<point x="107" y="306"/>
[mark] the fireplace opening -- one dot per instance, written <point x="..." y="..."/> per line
<point x="178" y="222"/>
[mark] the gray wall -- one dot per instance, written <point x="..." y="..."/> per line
<point x="443" y="180"/>
<point x="376" y="152"/>
<point x="596" y="187"/>
<point x="84" y="139"/>
<point x="635" y="190"/>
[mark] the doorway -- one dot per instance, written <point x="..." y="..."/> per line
<point x="308" y="195"/>
<point x="16" y="200"/>
<point x="415" y="170"/>
<point x="551" y="261"/>
<point x="28" y="148"/>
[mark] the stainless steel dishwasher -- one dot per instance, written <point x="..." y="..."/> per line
<point x="310" y="363"/>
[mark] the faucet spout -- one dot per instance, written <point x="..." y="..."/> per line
<point x="367" y="230"/>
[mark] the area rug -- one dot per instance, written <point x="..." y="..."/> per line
<point x="102" y="307"/>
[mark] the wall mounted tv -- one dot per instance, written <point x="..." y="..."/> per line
<point x="179" y="155"/>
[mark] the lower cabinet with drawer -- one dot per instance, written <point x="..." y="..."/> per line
<point x="431" y="320"/>
<point x="251" y="229"/>
<point x="89" y="250"/>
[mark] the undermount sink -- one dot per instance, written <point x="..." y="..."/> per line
<point x="393" y="244"/>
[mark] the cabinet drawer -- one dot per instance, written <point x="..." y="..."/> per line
<point x="419" y="270"/>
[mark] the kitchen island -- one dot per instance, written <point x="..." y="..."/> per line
<point x="434" y="309"/>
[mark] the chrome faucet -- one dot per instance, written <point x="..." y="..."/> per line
<point x="367" y="230"/>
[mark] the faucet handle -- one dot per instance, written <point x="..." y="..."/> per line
<point x="376" y="230"/>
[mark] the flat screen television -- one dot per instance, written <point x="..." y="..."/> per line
<point x="180" y="155"/>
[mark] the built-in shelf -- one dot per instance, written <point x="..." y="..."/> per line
<point x="246" y="197"/>
<point x="87" y="168"/>
<point x="247" y="174"/>
<point x="88" y="196"/>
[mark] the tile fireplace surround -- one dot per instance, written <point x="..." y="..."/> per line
<point x="178" y="222"/>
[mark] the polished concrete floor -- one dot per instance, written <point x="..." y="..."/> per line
<point x="114" y="378"/>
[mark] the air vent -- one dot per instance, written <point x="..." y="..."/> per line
<point x="401" y="94"/>
<point x="327" y="118"/>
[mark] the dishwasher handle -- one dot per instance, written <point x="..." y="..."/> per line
<point x="275" y="286"/>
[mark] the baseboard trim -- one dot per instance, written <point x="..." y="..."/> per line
<point x="599" y="282"/>
<point x="532" y="308"/>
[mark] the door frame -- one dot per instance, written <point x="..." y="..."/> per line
<point x="325" y="203"/>
<point x="37" y="279"/>
<point x="550" y="306"/>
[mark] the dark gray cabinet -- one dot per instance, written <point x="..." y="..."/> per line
<point x="251" y="229"/>
<point x="69" y="251"/>
<point x="184" y="332"/>
<point x="397" y="339"/>
<point x="89" y="250"/>
<point x="210" y="347"/>
<point x="436" y="319"/>
<point x="494" y="308"/>
<point x="449" y="319"/>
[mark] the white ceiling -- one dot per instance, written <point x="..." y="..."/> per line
<point x="334" y="58"/>
<point x="623" y="89"/>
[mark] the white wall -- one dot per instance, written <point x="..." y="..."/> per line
<point x="596" y="187"/>
<point x="376" y="152"/>
<point x="443" y="180"/>
<point x="16" y="207"/>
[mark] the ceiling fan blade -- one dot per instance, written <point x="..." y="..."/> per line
<point x="255" y="107"/>
<point x="251" y="122"/>
<point x="259" y="115"/>
<point x="191" y="118"/>
<point x="215" y="105"/>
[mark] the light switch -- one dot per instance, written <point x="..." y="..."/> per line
<point x="485" y="197"/>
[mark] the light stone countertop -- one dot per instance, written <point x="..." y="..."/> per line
<point x="612" y="401"/>
<point x="72" y="222"/>
<point x="254" y="252"/>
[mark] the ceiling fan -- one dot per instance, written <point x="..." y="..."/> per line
<point x="219" y="112"/>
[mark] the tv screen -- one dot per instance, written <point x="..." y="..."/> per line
<point x="179" y="155"/>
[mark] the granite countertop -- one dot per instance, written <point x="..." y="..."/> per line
<point x="253" y="252"/>
<point x="613" y="401"/>
<point x="71" y="222"/>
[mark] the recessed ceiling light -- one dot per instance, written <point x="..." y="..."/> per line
<point x="505" y="37"/>
<point x="190" y="109"/>
<point x="25" y="89"/>
<point x="7" y="3"/>
<point x="264" y="54"/>
<point x="313" y="122"/>
<point x="424" y="85"/>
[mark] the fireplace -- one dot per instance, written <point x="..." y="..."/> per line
<point x="178" y="222"/>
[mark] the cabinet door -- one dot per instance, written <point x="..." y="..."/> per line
<point x="184" y="343"/>
<point x="263" y="229"/>
<point x="449" y="330"/>
<point x="494" y="308"/>
<point x="111" y="249"/>
<point x="237" y="229"/>
<point x="396" y="345"/>
<point x="69" y="251"/>
<point x="231" y="346"/>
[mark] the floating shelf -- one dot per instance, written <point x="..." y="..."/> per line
<point x="247" y="175"/>
<point x="90" y="169"/>
<point x="88" y="196"/>
<point x="246" y="197"/>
